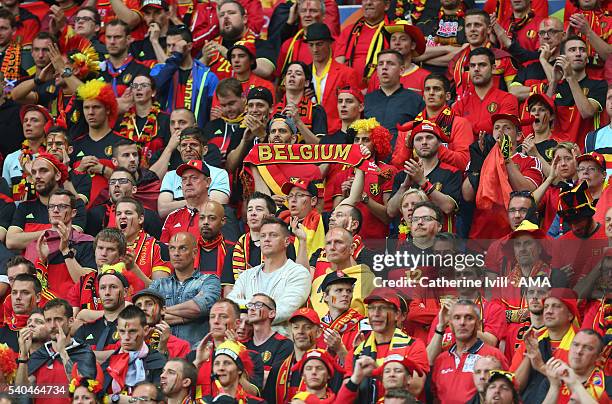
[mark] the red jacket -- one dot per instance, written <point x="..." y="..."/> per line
<point x="339" y="76"/>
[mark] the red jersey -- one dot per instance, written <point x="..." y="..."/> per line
<point x="27" y="25"/>
<point x="253" y="81"/>
<point x="524" y="30"/>
<point x="53" y="374"/>
<point x="413" y="79"/>
<point x="479" y="111"/>
<point x="181" y="220"/>
<point x="293" y="49"/>
<point x="218" y="64"/>
<point x="549" y="206"/>
<point x="452" y="376"/>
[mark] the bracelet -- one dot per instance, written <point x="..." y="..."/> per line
<point x="19" y="360"/>
<point x="439" y="332"/>
<point x="427" y="187"/>
<point x="103" y="169"/>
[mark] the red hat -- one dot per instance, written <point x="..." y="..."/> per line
<point x="312" y="187"/>
<point x="569" y="298"/>
<point x="35" y="107"/>
<point x="514" y="119"/>
<point x="543" y="98"/>
<point x="355" y="92"/>
<point x="412" y="31"/>
<point x="323" y="356"/>
<point x="58" y="165"/>
<point x="428" y="127"/>
<point x="384" y="294"/>
<point x="198" y="165"/>
<point x="593" y="156"/>
<point x="248" y="47"/>
<point x="398" y="356"/>
<point x="307" y="313"/>
<point x="161" y="4"/>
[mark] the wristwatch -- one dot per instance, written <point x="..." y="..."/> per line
<point x="69" y="254"/>
<point x="67" y="72"/>
<point x="115" y="398"/>
<point x="365" y="198"/>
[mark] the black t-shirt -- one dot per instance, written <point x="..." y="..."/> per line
<point x="34" y="216"/>
<point x="339" y="137"/>
<point x="10" y="126"/>
<point x="208" y="259"/>
<point x="532" y="72"/>
<point x="7" y="211"/>
<point x="274" y="351"/>
<point x="99" y="334"/>
<point x="445" y="179"/>
<point x="125" y="75"/>
<point x="83" y="253"/>
<point x="143" y="49"/>
<point x="102" y="149"/>
<point x="226" y="136"/>
<point x="81" y="182"/>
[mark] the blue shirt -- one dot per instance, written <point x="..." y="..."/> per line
<point x="219" y="181"/>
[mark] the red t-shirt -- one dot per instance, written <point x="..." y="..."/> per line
<point x="356" y="56"/>
<point x="300" y="52"/>
<point x="527" y="35"/>
<point x="181" y="220"/>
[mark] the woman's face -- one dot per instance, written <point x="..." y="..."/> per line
<point x="407" y="207"/>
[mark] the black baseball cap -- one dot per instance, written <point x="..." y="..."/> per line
<point x="149" y="292"/>
<point x="336" y="277"/>
<point x="260" y="93"/>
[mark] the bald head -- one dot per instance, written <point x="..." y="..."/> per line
<point x="551" y="33"/>
<point x="183" y="249"/>
<point x="212" y="219"/>
<point x="339" y="246"/>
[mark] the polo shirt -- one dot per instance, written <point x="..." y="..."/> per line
<point x="219" y="181"/>
<point x="400" y="107"/>
<point x="452" y="374"/>
<point x="181" y="220"/>
<point x="34" y="216"/>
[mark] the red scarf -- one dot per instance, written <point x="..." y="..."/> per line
<point x="17" y="321"/>
<point x="216" y="243"/>
<point x="118" y="367"/>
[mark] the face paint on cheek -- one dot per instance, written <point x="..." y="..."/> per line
<point x="333" y="299"/>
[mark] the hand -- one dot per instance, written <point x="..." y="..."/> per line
<point x="216" y="113"/>
<point x="46" y="73"/>
<point x="64" y="233"/>
<point x="66" y="158"/>
<point x="414" y="169"/>
<point x="292" y="111"/>
<point x="231" y="335"/>
<point x="203" y="350"/>
<point x="309" y="93"/>
<point x="163" y="329"/>
<point x="87" y="162"/>
<point x="42" y="248"/>
<point x="25" y="340"/>
<point x="365" y="151"/>
<point x="333" y="340"/>
<point x="297" y="228"/>
<point x="545" y="52"/>
<point x="57" y="59"/>
<point x="551" y="372"/>
<point x="443" y="314"/>
<point x="481" y="140"/>
<point x="279" y="200"/>
<point x="532" y="351"/>
<point x="208" y="51"/>
<point x="563" y="68"/>
<point x="554" y="170"/>
<point x="293" y="14"/>
<point x="579" y="22"/>
<point x="129" y="259"/>
<point x="175" y="139"/>
<point x="364" y="366"/>
<point x="126" y="101"/>
<point x="346" y="186"/>
<point x="58" y="19"/>
<point x="529" y="146"/>
<point x="154" y="32"/>
<point x="255" y="128"/>
<point x="59" y="345"/>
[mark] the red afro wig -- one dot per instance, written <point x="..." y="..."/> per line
<point x="102" y="92"/>
<point x="379" y="135"/>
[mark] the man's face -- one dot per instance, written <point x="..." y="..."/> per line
<point x="463" y="322"/>
<point x="107" y="252"/>
<point x="33" y="125"/>
<point x="6" y="32"/>
<point x="56" y="320"/>
<point x="609" y="223"/>
<point x="120" y="184"/>
<point x="300" y="202"/>
<point x="182" y="252"/>
<point x="341" y="217"/>
<point x="337" y="245"/>
<point x="117" y="40"/>
<point x="259" y="109"/>
<point x="434" y="94"/>
<point x="23" y="297"/>
<point x="591" y="172"/>
<point x="499" y="392"/>
<point x="191" y="149"/>
<point x="45" y="177"/>
<point x="231" y="105"/>
<point x="85" y="24"/>
<point x="382" y="316"/>
<point x="60" y="210"/>
<point x="194" y="183"/>
<point x="584" y="351"/>
<point x="541" y="115"/>
<point x="9" y="3"/>
<point x="57" y="145"/>
<point x="424" y="223"/>
<point x="280" y="133"/>
<point x="154" y="15"/>
<point x="40" y="332"/>
<point x="273" y="240"/>
<point x="426" y="145"/>
<point x="556" y="313"/>
<point x="349" y="108"/>
<point x="151" y="309"/>
<point x="576" y="52"/>
<point x="240" y="61"/>
<point x="212" y="219"/>
<point x="527" y="250"/>
<point x="142" y="90"/>
<point x="181" y="119"/>
<point x="309" y="12"/>
<point x="40" y="52"/>
<point x="402" y="42"/>
<point x="304" y="333"/>
<point x="131" y="333"/>
<point x="222" y="318"/>
<point x="520" y="6"/>
<point x="389" y="68"/>
<point x="517" y="211"/>
<point x="146" y="393"/>
<point x="176" y="43"/>
<point x="581" y="226"/>
<point x="95" y="113"/>
<point x="476" y="30"/>
<point x="374" y="10"/>
<point x="244" y="329"/>
<point x="127" y="157"/>
<point x="257" y="209"/>
<point x="320" y="50"/>
<point x="551" y="33"/>
<point x="226" y="370"/>
<point x="339" y="295"/>
<point x="171" y="379"/>
<point x="126" y="216"/>
<point x="295" y="79"/>
<point x="264" y="314"/>
<point x="315" y="374"/>
<point x="395" y="376"/>
<point x="111" y="292"/>
<point x="481" y="70"/>
<point x="482" y="369"/>
<point x="535" y="299"/>
<point x="364" y="139"/>
<point x="231" y="23"/>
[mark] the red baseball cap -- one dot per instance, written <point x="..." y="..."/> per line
<point x="197" y="165"/>
<point x="308" y="186"/>
<point x="398" y="356"/>
<point x="593" y="156"/>
<point x="543" y="98"/>
<point x="514" y="119"/>
<point x="249" y="48"/>
<point x="383" y="294"/>
<point x="428" y="127"/>
<point x="35" y="107"/>
<point x="307" y="313"/>
<point x="319" y="354"/>
<point x="355" y="92"/>
<point x="569" y="298"/>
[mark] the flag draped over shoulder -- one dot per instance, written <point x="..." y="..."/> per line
<point x="314" y="228"/>
<point x="604" y="203"/>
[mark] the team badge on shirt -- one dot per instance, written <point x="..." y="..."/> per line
<point x="108" y="150"/>
<point x="374" y="189"/>
<point x="531" y="34"/>
<point x="265" y="357"/>
<point x="127" y="78"/>
<point x="492" y="107"/>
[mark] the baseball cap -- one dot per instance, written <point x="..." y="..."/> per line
<point x="593" y="156"/>
<point x="399" y="357"/>
<point x="35" y="107"/>
<point x="307" y="313"/>
<point x="319" y="354"/>
<point x="429" y="127"/>
<point x="248" y="47"/>
<point x="335" y="277"/>
<point x="355" y="92"/>
<point x="385" y="295"/>
<point x="117" y="274"/>
<point x="543" y="98"/>
<point x="514" y="119"/>
<point x="198" y="165"/>
<point x="308" y="186"/>
<point x="161" y="4"/>
<point x="412" y="31"/>
<point x="260" y="93"/>
<point x="149" y="292"/>
<point x="569" y="298"/>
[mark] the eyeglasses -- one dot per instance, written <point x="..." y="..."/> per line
<point x="424" y="219"/>
<point x="59" y="207"/>
<point x="137" y="86"/>
<point x="550" y="32"/>
<point x="83" y="19"/>
<point x="587" y="170"/>
<point x="522" y="211"/>
<point x="120" y="181"/>
<point x="296" y="196"/>
<point x="257" y="305"/>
